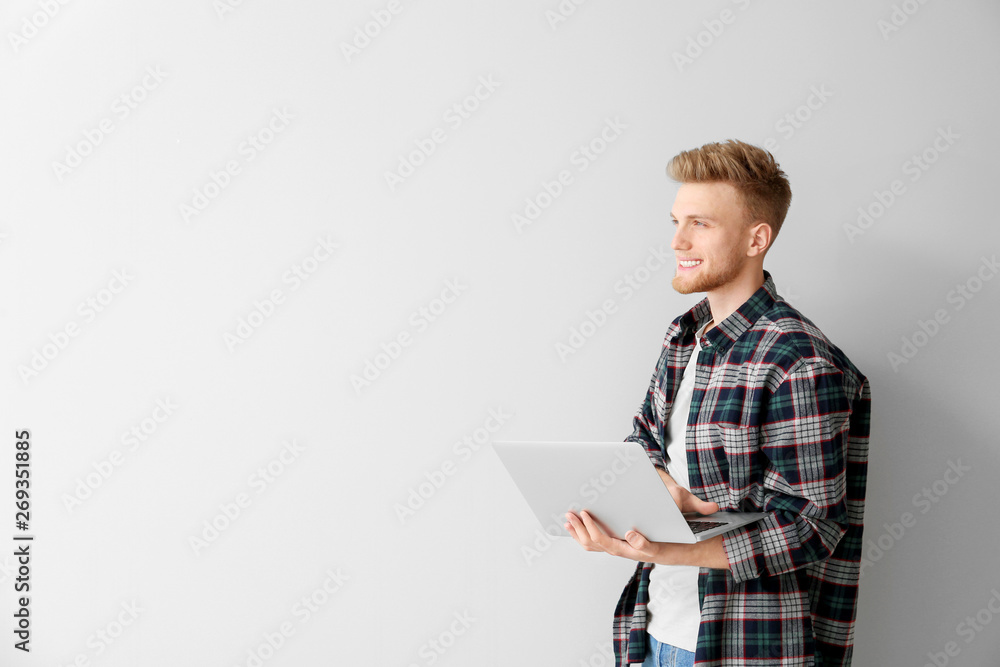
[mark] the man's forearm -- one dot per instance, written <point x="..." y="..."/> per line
<point x="709" y="553"/>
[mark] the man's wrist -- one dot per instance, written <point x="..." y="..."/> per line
<point x="708" y="553"/>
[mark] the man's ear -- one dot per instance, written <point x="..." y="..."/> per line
<point x="760" y="239"/>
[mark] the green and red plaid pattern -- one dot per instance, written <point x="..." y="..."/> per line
<point x="779" y="423"/>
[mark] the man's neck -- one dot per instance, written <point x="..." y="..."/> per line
<point x="727" y="299"/>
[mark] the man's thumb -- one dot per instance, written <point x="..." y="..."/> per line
<point x="705" y="507"/>
<point x="636" y="540"/>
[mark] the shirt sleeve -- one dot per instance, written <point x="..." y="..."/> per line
<point x="804" y="445"/>
<point x="647" y="428"/>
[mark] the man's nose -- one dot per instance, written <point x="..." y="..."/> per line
<point x="679" y="241"/>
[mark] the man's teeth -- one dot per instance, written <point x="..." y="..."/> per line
<point x="687" y="264"/>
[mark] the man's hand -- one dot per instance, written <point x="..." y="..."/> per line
<point x="592" y="536"/>
<point x="687" y="501"/>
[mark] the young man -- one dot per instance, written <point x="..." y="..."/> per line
<point x="750" y="408"/>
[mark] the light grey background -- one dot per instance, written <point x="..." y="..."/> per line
<point x="883" y="96"/>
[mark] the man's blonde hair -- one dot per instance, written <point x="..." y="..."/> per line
<point x="761" y="183"/>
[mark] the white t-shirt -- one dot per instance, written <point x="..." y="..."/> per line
<point x="673" y="614"/>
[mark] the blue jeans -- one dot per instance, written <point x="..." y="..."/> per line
<point x="665" y="655"/>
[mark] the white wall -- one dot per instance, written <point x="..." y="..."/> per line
<point x="884" y="97"/>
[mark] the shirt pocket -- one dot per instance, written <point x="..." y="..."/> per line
<point x="741" y="445"/>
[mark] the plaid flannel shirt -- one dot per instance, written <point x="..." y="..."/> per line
<point x="779" y="423"/>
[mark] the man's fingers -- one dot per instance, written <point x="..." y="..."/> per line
<point x="590" y="533"/>
<point x="598" y="536"/>
<point x="571" y="525"/>
<point x="602" y="531"/>
<point x="580" y="533"/>
<point x="593" y="530"/>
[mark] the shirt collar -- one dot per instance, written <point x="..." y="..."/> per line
<point x="725" y="333"/>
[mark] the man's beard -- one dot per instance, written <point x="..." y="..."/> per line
<point x="707" y="280"/>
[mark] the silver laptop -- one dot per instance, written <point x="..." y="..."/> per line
<point x="615" y="482"/>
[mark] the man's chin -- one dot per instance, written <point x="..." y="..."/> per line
<point x="685" y="286"/>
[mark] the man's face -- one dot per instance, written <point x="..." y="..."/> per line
<point x="710" y="236"/>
